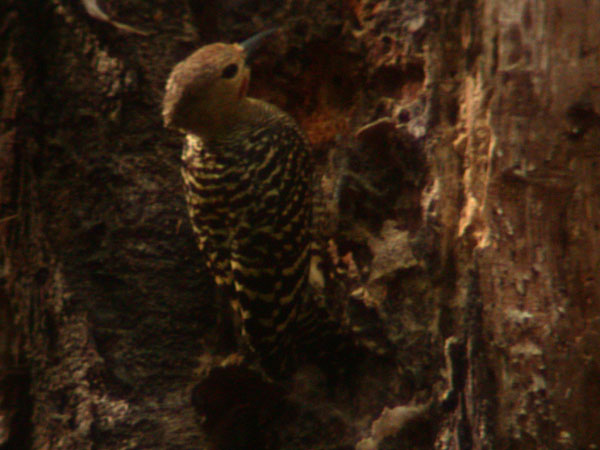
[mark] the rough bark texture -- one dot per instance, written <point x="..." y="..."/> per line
<point x="456" y="145"/>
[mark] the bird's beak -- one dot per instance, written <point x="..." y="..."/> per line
<point x="251" y="44"/>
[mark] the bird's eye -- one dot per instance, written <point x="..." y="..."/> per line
<point x="230" y="71"/>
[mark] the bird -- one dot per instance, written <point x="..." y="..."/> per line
<point x="247" y="171"/>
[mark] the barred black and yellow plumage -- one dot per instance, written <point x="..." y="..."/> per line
<point x="247" y="176"/>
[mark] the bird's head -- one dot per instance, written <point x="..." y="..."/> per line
<point x="204" y="89"/>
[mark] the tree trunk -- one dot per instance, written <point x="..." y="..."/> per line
<point x="456" y="147"/>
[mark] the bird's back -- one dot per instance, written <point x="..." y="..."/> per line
<point x="248" y="194"/>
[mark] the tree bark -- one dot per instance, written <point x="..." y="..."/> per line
<point x="527" y="135"/>
<point x="456" y="150"/>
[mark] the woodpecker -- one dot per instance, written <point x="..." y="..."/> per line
<point x="247" y="177"/>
